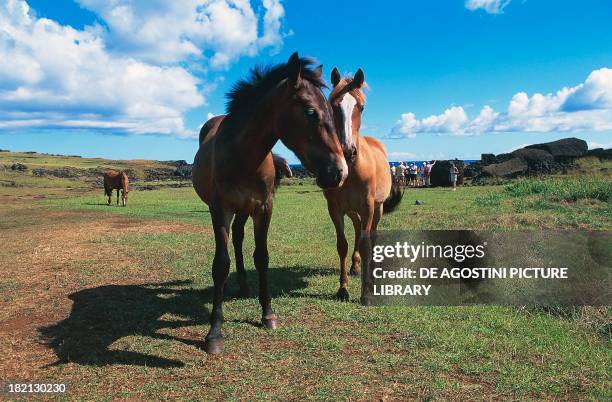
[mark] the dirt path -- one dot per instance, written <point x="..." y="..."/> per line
<point x="46" y="255"/>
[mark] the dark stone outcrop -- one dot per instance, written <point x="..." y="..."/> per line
<point x="533" y="156"/>
<point x="546" y="158"/>
<point x="20" y="167"/>
<point x="602" y="154"/>
<point x="510" y="168"/>
<point x="440" y="173"/>
<point x="487" y="159"/>
<point x="564" y="150"/>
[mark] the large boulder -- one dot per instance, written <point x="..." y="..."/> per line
<point x="510" y="168"/>
<point x="564" y="150"/>
<point x="602" y="154"/>
<point x="20" y="167"/>
<point x="487" y="159"/>
<point x="440" y="173"/>
<point x="533" y="156"/>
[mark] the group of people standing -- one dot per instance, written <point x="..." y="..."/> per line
<point x="412" y="174"/>
<point x="415" y="175"/>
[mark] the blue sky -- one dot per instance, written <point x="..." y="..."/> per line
<point x="446" y="79"/>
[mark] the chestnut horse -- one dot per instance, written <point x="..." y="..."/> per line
<point x="369" y="190"/>
<point x="234" y="172"/>
<point x="114" y="180"/>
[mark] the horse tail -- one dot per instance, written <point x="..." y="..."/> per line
<point x="394" y="198"/>
<point x="281" y="168"/>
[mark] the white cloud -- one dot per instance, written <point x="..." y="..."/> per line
<point x="452" y="120"/>
<point x="490" y="6"/>
<point x="137" y="73"/>
<point x="587" y="106"/>
<point x="54" y="75"/>
<point x="161" y="31"/>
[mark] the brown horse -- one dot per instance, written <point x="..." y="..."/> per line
<point x="369" y="189"/>
<point x="114" y="180"/>
<point x="234" y="171"/>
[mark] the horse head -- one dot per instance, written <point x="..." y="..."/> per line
<point x="348" y="101"/>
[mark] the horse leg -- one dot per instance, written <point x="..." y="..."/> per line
<point x="122" y="198"/>
<point x="378" y="212"/>
<point x="261" y="223"/>
<point x="237" y="238"/>
<point x="356" y="258"/>
<point x="117" y="196"/>
<point x="213" y="342"/>
<point x="342" y="247"/>
<point x="365" y="249"/>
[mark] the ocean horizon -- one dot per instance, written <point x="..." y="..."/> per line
<point x="392" y="163"/>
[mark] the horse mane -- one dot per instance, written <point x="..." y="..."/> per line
<point x="248" y="92"/>
<point x="356" y="92"/>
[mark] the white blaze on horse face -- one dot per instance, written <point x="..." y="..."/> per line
<point x="347" y="105"/>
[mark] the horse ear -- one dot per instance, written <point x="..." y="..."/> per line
<point x="335" y="76"/>
<point x="294" y="68"/>
<point x="359" y="78"/>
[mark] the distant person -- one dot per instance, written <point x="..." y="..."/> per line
<point x="392" y="170"/>
<point x="454" y="172"/>
<point x="427" y="172"/>
<point x="400" y="173"/>
<point x="421" y="175"/>
<point x="414" y="172"/>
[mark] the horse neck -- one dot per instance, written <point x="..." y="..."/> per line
<point x="258" y="136"/>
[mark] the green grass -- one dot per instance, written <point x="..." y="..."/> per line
<point x="563" y="189"/>
<point x="323" y="349"/>
<point x="428" y="351"/>
<point x="35" y="160"/>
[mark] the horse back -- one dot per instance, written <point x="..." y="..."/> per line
<point x="114" y="179"/>
<point x="216" y="173"/>
<point x="380" y="162"/>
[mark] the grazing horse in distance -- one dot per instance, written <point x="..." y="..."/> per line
<point x="368" y="191"/>
<point x="114" y="180"/>
<point x="234" y="172"/>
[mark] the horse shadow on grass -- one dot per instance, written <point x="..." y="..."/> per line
<point x="102" y="315"/>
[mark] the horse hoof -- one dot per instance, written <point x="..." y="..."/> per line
<point x="366" y="300"/>
<point x="342" y="295"/>
<point x="269" y="322"/>
<point x="354" y="271"/>
<point x="213" y="346"/>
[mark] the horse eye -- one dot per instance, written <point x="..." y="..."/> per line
<point x="310" y="111"/>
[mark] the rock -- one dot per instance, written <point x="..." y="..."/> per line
<point x="563" y="150"/>
<point x="533" y="156"/>
<point x="183" y="171"/>
<point x="20" y="167"/>
<point x="602" y="154"/>
<point x="440" y="173"/>
<point x="509" y="168"/>
<point x="487" y="159"/>
<point x="418" y="202"/>
<point x="178" y="163"/>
